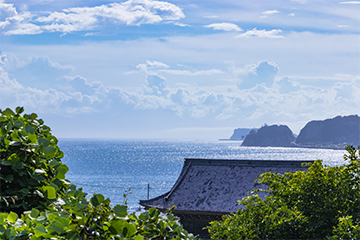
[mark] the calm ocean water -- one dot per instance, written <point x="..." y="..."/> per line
<point x="112" y="167"/>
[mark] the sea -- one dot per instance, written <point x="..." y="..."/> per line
<point x="126" y="171"/>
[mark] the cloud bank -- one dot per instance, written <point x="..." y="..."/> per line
<point x="131" y="13"/>
<point x="261" y="93"/>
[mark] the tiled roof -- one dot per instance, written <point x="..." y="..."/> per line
<point x="213" y="185"/>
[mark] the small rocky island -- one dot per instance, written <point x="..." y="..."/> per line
<point x="332" y="133"/>
<point x="270" y="136"/>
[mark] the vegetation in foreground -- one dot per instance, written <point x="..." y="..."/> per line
<point x="37" y="202"/>
<point x="320" y="203"/>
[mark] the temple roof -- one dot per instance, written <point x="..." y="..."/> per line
<point x="215" y="185"/>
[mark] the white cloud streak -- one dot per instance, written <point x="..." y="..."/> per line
<point x="224" y="26"/>
<point x="270" y="12"/>
<point x="156" y="68"/>
<point x="350" y="2"/>
<point x="261" y="33"/>
<point x="192" y="73"/>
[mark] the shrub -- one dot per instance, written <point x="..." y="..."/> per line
<point x="37" y="202"/>
<point x="322" y="202"/>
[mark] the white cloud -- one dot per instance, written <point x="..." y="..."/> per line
<point x="342" y="26"/>
<point x="181" y="24"/>
<point x="270" y="12"/>
<point x="192" y="73"/>
<point x="132" y="12"/>
<point x="156" y="85"/>
<point x="261" y="33"/>
<point x="39" y="72"/>
<point x="155" y="68"/>
<point x="224" y="26"/>
<point x="254" y="74"/>
<point x="14" y="94"/>
<point x="7" y="12"/>
<point x="151" y="65"/>
<point x="291" y="14"/>
<point x="350" y="2"/>
<point x="287" y="85"/>
<point x="261" y="94"/>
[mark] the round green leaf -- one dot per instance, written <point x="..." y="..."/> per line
<point x="8" y="112"/>
<point x="49" y="152"/>
<point x="50" y="192"/>
<point x="40" y="231"/>
<point x="117" y="226"/>
<point x="61" y="171"/>
<point x="29" y="129"/>
<point x="34" y="213"/>
<point x="97" y="199"/>
<point x="19" y="110"/>
<point x="56" y="226"/>
<point x="12" y="217"/>
<point x="120" y="210"/>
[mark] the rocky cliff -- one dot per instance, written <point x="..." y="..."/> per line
<point x="240" y="133"/>
<point x="335" y="131"/>
<point x="270" y="136"/>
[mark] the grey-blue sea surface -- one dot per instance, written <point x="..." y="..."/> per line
<point x="113" y="167"/>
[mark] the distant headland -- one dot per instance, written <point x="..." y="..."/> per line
<point x="332" y="133"/>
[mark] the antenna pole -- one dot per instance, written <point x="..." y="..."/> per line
<point x="148" y="191"/>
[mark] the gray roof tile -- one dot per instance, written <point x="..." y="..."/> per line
<point x="213" y="185"/>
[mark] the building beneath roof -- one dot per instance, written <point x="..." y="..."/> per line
<point x="210" y="188"/>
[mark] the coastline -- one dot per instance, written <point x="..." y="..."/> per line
<point x="294" y="145"/>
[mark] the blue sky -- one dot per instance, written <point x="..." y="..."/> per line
<point x="179" y="69"/>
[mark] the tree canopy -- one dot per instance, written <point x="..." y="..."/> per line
<point x="320" y="203"/>
<point x="38" y="202"/>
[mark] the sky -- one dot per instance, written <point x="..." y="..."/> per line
<point x="179" y="69"/>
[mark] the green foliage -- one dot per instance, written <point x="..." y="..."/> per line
<point x="319" y="203"/>
<point x="152" y="226"/>
<point x="268" y="219"/>
<point x="346" y="229"/>
<point x="32" y="174"/>
<point x="37" y="202"/>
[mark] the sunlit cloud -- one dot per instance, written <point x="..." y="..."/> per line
<point x="261" y="33"/>
<point x="350" y="2"/>
<point x="224" y="26"/>
<point x="192" y="73"/>
<point x="269" y="12"/>
<point x="156" y="68"/>
<point x="132" y="12"/>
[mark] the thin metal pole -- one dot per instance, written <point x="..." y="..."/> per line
<point x="148" y="191"/>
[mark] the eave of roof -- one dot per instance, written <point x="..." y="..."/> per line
<point x="215" y="185"/>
